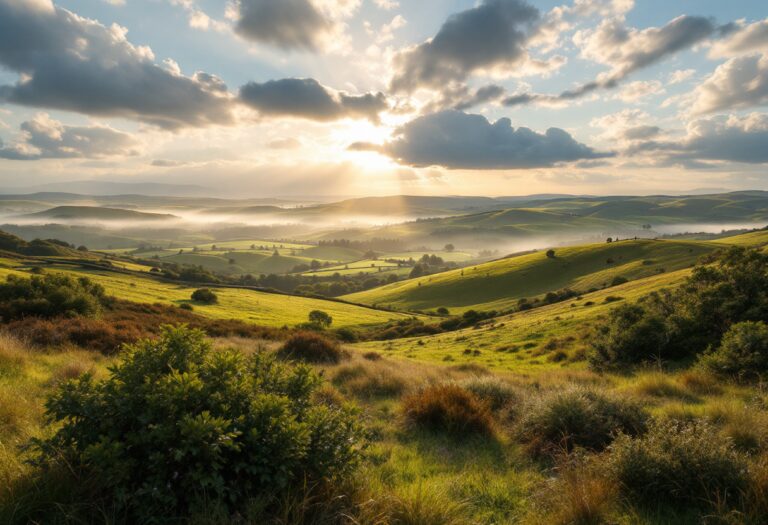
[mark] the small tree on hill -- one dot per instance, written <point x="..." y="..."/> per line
<point x="551" y="254"/>
<point x="320" y="318"/>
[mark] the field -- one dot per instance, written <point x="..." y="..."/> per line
<point x="498" y="285"/>
<point x="262" y="308"/>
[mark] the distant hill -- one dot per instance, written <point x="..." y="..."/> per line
<point x="18" y="246"/>
<point x="96" y="213"/>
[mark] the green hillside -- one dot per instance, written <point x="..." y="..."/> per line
<point x="260" y="308"/>
<point x="500" y="284"/>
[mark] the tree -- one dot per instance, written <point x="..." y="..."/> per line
<point x="320" y="319"/>
<point x="449" y="248"/>
<point x="551" y="254"/>
<point x="205" y="296"/>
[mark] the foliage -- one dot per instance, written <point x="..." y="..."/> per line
<point x="677" y="463"/>
<point x="205" y="296"/>
<point x="448" y="408"/>
<point x="311" y="347"/>
<point x="50" y="295"/>
<point x="688" y="320"/>
<point x="742" y="354"/>
<point x="496" y="392"/>
<point x="320" y="319"/>
<point x="577" y="417"/>
<point x="176" y="425"/>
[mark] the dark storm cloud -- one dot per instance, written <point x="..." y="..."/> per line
<point x="307" y="98"/>
<point x="72" y="63"/>
<point x="44" y="138"/>
<point x="490" y="35"/>
<point x="288" y="24"/>
<point x="458" y="140"/>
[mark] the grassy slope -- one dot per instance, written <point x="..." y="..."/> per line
<point x="257" y="307"/>
<point x="499" y="284"/>
<point x="517" y="342"/>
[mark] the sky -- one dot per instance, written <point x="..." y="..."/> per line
<point x="266" y="98"/>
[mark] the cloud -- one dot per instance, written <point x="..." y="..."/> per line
<point x="286" y="143"/>
<point x="740" y="82"/>
<point x="626" y="50"/>
<point x="680" y="75"/>
<point x="457" y="140"/>
<point x="746" y="39"/>
<point x="638" y="90"/>
<point x="387" y="4"/>
<point x="734" y="139"/>
<point x="307" y="98"/>
<point x="490" y="36"/>
<point x="76" y="64"/>
<point x="294" y="25"/>
<point x="165" y="163"/>
<point x="45" y="138"/>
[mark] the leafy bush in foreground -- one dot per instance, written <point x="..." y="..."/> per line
<point x="311" y="347"/>
<point x="743" y="352"/>
<point x="678" y="463"/>
<point x="49" y="295"/>
<point x="448" y="408"/>
<point x="177" y="425"/>
<point x="577" y="417"/>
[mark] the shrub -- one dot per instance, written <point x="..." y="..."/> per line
<point x="370" y="381"/>
<point x="177" y="425"/>
<point x="50" y="295"/>
<point x="448" y="408"/>
<point x="205" y="296"/>
<point x="320" y="319"/>
<point x="490" y="389"/>
<point x="577" y="417"/>
<point x="311" y="347"/>
<point x="630" y="336"/>
<point x="677" y="463"/>
<point x="742" y="354"/>
<point x="619" y="280"/>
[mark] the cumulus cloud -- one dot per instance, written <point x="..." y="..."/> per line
<point x="491" y="36"/>
<point x="740" y="82"/>
<point x="76" y="64"/>
<point x="733" y="138"/>
<point x="626" y="50"/>
<point x="746" y="39"/>
<point x="457" y="140"/>
<point x="639" y="89"/>
<point x="303" y="25"/>
<point x="46" y="138"/>
<point x="680" y="75"/>
<point x="307" y="98"/>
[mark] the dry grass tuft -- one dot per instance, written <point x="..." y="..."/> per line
<point x="448" y="408"/>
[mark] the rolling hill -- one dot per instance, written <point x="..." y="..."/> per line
<point x="74" y="213"/>
<point x="500" y="284"/>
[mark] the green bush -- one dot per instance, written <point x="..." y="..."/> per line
<point x="177" y="425"/>
<point x="577" y="417"/>
<point x="448" y="408"/>
<point x="311" y="347"/>
<point x="678" y="463"/>
<point x="205" y="296"/>
<point x="50" y="295"/>
<point x="684" y="322"/>
<point x="742" y="354"/>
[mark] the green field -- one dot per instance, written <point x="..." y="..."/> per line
<point x="247" y="305"/>
<point x="500" y="284"/>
